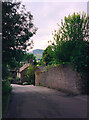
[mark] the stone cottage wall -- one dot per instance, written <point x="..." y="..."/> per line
<point x="23" y="74"/>
<point x="61" y="78"/>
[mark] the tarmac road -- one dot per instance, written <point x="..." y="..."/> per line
<point x="30" y="101"/>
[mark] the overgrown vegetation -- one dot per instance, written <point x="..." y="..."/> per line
<point x="6" y="89"/>
<point x="30" y="58"/>
<point x="71" y="44"/>
<point x="30" y="75"/>
<point x="17" y="29"/>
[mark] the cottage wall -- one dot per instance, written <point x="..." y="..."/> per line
<point x="61" y="78"/>
<point x="23" y="75"/>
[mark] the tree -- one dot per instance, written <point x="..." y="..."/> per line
<point x="47" y="55"/>
<point x="63" y="51"/>
<point x="17" y="29"/>
<point x="75" y="28"/>
<point x="30" y="75"/>
<point x="30" y="58"/>
<point x="72" y="42"/>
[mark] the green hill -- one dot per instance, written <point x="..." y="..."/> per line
<point x="38" y="53"/>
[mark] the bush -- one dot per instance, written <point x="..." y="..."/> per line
<point x="63" y="51"/>
<point x="5" y="72"/>
<point x="10" y="78"/>
<point x="30" y="76"/>
<point x="80" y="57"/>
<point x="25" y="83"/>
<point x="71" y="41"/>
<point x="17" y="79"/>
<point x="6" y="89"/>
<point x="48" y="67"/>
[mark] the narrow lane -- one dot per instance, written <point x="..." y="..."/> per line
<point x="41" y="102"/>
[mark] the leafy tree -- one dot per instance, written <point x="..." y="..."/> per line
<point x="17" y="29"/>
<point x="80" y="57"/>
<point x="71" y="41"/>
<point x="30" y="58"/>
<point x="47" y="55"/>
<point x="75" y="28"/>
<point x="41" y="62"/>
<point x="30" y="77"/>
<point x="71" y="44"/>
<point x="63" y="51"/>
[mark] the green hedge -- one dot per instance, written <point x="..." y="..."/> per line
<point x="6" y="89"/>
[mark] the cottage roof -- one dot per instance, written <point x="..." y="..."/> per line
<point x="24" y="66"/>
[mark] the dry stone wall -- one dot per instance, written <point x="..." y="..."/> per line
<point x="61" y="78"/>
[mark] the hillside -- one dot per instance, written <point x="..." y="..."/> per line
<point x="38" y="53"/>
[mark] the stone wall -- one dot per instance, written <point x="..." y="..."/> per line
<point x="61" y="78"/>
<point x="23" y="75"/>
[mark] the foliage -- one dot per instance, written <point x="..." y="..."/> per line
<point x="6" y="89"/>
<point x="17" y="29"/>
<point x="10" y="78"/>
<point x="30" y="58"/>
<point x="71" y="42"/>
<point x="25" y="83"/>
<point x="71" y="45"/>
<point x="63" y="51"/>
<point x="80" y="57"/>
<point x="30" y="77"/>
<point x="48" y="67"/>
<point x="47" y="55"/>
<point x="41" y="63"/>
<point x="75" y="28"/>
<point x="39" y="85"/>
<point x="5" y="72"/>
<point x="17" y="79"/>
<point x="52" y="65"/>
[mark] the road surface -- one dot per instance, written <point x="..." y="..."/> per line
<point x="30" y="101"/>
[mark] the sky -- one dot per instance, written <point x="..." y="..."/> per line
<point x="46" y="15"/>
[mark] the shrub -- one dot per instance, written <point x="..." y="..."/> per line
<point x="80" y="57"/>
<point x="48" y="67"/>
<point x="30" y="76"/>
<point x="6" y="87"/>
<point x="17" y="79"/>
<point x="71" y="42"/>
<point x="63" y="51"/>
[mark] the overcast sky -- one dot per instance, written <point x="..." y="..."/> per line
<point x="46" y="16"/>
